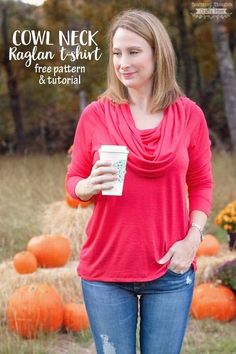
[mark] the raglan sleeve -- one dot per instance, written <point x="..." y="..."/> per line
<point x="80" y="165"/>
<point x="199" y="174"/>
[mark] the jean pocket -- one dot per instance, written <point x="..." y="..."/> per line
<point x="179" y="274"/>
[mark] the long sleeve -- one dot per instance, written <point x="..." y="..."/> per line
<point x="199" y="175"/>
<point x="81" y="160"/>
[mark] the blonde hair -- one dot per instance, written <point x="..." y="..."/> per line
<point x="165" y="89"/>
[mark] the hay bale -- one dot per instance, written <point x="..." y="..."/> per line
<point x="59" y="219"/>
<point x="64" y="279"/>
<point x="207" y="265"/>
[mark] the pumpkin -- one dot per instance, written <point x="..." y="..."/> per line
<point x="75" y="317"/>
<point x="75" y="203"/>
<point x="213" y="301"/>
<point x="25" y="262"/>
<point x="72" y="202"/>
<point x="34" y="308"/>
<point x="50" y="251"/>
<point x="209" y="246"/>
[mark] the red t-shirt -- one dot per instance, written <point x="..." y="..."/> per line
<point x="128" y="234"/>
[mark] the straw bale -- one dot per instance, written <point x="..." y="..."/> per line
<point x="59" y="218"/>
<point x="207" y="265"/>
<point x="64" y="279"/>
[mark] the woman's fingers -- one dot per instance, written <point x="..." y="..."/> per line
<point x="103" y="167"/>
<point x="104" y="170"/>
<point x="182" y="257"/>
<point x="103" y="176"/>
<point x="103" y="179"/>
<point x="104" y="186"/>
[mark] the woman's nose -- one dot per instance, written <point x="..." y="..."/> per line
<point x="124" y="63"/>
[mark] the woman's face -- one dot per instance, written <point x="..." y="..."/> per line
<point x="132" y="59"/>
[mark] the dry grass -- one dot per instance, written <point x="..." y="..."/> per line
<point x="27" y="185"/>
<point x="210" y="337"/>
<point x="224" y="175"/>
<point x="31" y="202"/>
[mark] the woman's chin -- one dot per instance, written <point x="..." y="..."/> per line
<point x="130" y="84"/>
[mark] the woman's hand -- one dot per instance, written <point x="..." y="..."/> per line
<point x="182" y="253"/>
<point x="102" y="178"/>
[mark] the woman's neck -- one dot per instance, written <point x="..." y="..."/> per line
<point x="139" y="99"/>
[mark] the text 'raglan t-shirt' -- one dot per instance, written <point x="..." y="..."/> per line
<point x="127" y="235"/>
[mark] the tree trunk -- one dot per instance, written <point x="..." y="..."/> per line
<point x="12" y="87"/>
<point x="185" y="48"/>
<point x="228" y="77"/>
<point x="83" y="100"/>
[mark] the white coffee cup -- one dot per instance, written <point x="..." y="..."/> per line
<point x="117" y="154"/>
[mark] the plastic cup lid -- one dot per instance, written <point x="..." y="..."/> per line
<point x="113" y="148"/>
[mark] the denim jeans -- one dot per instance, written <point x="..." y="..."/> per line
<point x="162" y="304"/>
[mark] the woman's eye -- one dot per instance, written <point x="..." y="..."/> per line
<point x="131" y="52"/>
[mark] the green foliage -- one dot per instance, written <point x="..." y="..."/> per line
<point x="226" y="272"/>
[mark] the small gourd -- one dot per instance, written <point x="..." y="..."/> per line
<point x="75" y="317"/>
<point x="25" y="262"/>
<point x="209" y="246"/>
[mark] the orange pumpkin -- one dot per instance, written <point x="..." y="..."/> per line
<point x="84" y="204"/>
<point x="213" y="301"/>
<point x="209" y="246"/>
<point x="34" y="308"/>
<point x="75" y="317"/>
<point x="25" y="262"/>
<point x="50" y="251"/>
<point x="75" y="203"/>
<point x="72" y="202"/>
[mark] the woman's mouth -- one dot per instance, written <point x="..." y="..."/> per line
<point x="127" y="75"/>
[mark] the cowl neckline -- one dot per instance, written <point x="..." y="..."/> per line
<point x="143" y="131"/>
<point x="165" y="139"/>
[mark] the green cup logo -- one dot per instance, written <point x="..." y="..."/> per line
<point x="120" y="166"/>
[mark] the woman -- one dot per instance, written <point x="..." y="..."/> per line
<point x="139" y="256"/>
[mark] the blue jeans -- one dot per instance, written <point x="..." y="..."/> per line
<point x="163" y="305"/>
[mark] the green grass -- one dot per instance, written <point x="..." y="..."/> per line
<point x="28" y="184"/>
